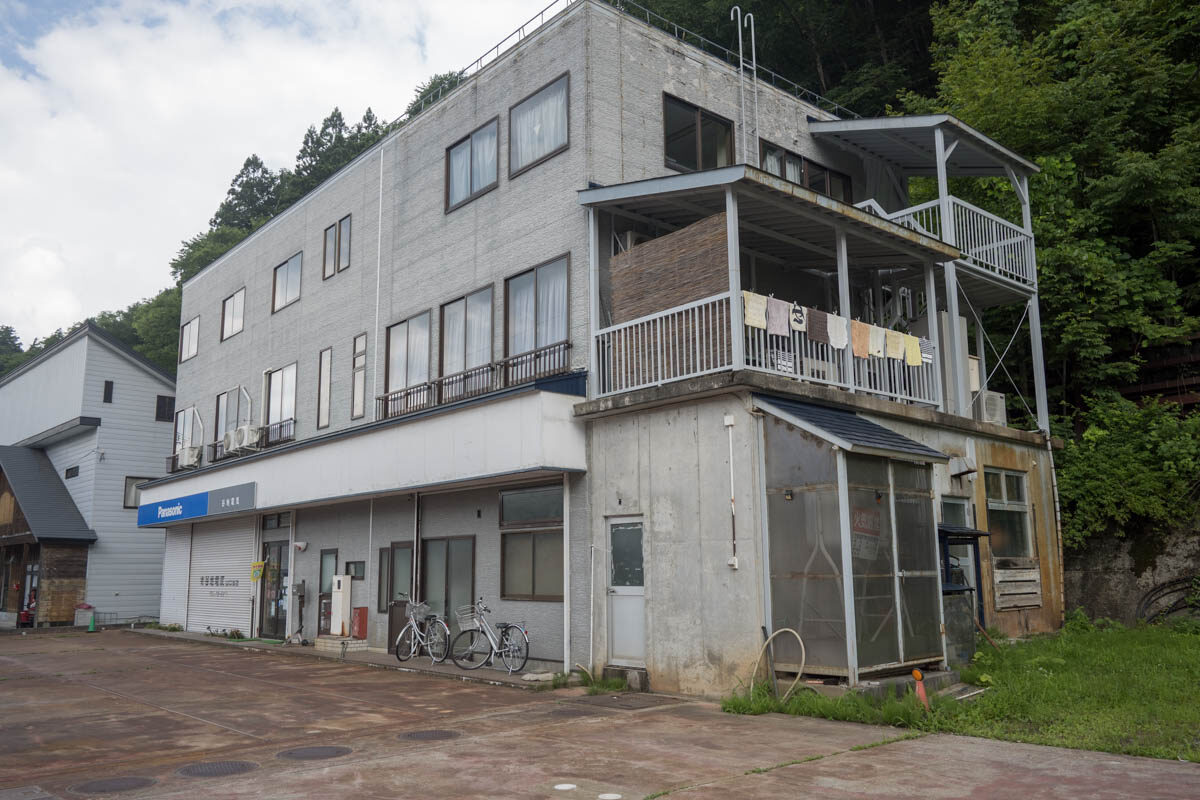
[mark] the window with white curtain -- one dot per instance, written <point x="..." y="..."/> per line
<point x="408" y="353"/>
<point x="804" y="171"/>
<point x="281" y="394"/>
<point x="189" y="339"/>
<point x="467" y="332"/>
<point x="471" y="165"/>
<point x="537" y="307"/>
<point x="537" y="127"/>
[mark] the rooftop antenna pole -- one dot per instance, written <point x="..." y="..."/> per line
<point x="749" y="20"/>
<point x="735" y="13"/>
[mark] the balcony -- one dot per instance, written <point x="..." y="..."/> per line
<point x="696" y="339"/>
<point x="507" y="373"/>
<point x="278" y="432"/>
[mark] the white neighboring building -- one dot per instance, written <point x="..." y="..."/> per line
<point x="100" y="415"/>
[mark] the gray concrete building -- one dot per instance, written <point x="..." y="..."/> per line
<point x="637" y="347"/>
<point x="82" y="425"/>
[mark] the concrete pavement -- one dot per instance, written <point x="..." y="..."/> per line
<point x="78" y="708"/>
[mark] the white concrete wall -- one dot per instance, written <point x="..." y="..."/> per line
<point x="47" y="394"/>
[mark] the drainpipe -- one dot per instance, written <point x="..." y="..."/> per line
<point x="733" y="559"/>
<point x="566" y="573"/>
<point x="416" y="567"/>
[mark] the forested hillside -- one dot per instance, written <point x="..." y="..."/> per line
<point x="1103" y="94"/>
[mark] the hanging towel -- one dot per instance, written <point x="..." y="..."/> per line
<point x="818" y="325"/>
<point x="877" y="341"/>
<point x="756" y="309"/>
<point x="927" y="351"/>
<point x="839" y="331"/>
<point x="895" y="344"/>
<point x="798" y="317"/>
<point x="779" y="315"/>
<point x="860" y="338"/>
<point x="912" y="351"/>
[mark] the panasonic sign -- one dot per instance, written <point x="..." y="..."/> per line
<point x="227" y="500"/>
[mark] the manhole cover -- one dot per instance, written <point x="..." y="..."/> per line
<point x="431" y="735"/>
<point x="112" y="785"/>
<point x="216" y="769"/>
<point x="314" y="753"/>
<point x="627" y="701"/>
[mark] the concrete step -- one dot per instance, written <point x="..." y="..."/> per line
<point x="898" y="685"/>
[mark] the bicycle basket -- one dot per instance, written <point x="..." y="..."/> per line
<point x="418" y="610"/>
<point x="467" y="617"/>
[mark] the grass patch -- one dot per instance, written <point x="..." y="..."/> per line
<point x="606" y="685"/>
<point x="172" y="627"/>
<point x="1095" y="686"/>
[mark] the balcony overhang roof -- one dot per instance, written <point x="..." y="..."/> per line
<point x="777" y="218"/>
<point x="907" y="143"/>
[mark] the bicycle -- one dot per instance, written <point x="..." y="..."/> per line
<point x="423" y="630"/>
<point x="478" y="643"/>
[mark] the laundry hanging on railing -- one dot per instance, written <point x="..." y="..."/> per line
<point x="755" y="309"/>
<point x="912" y="350"/>
<point x="799" y="317"/>
<point x="927" y="351"/>
<point x="876" y="342"/>
<point x="779" y="316"/>
<point x="818" y="326"/>
<point x="895" y="344"/>
<point x="839" y="331"/>
<point x="860" y="338"/>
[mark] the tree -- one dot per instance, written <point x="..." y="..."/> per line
<point x="251" y="199"/>
<point x="202" y="249"/>
<point x="11" y="352"/>
<point x="432" y="90"/>
<point x="156" y="322"/>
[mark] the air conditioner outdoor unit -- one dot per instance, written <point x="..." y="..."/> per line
<point x="246" y="437"/>
<point x="189" y="457"/>
<point x="989" y="407"/>
<point x="229" y="441"/>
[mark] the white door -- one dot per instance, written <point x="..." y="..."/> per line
<point x="626" y="594"/>
<point x="220" y="594"/>
<point x="177" y="556"/>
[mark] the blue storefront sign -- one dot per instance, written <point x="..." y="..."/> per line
<point x="227" y="500"/>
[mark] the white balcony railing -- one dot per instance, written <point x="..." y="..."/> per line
<point x="693" y="340"/>
<point x="985" y="239"/>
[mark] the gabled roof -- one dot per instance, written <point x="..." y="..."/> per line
<point x="847" y="430"/>
<point x="89" y="328"/>
<point x="42" y="496"/>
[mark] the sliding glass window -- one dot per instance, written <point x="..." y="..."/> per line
<point x="537" y="307"/>
<point x="471" y="166"/>
<point x="408" y="353"/>
<point x="537" y="126"/>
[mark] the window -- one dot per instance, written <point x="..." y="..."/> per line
<point x="164" y="408"/>
<point x="1008" y="514"/>
<point x="189" y="339"/>
<point x="957" y="511"/>
<point x="185" y="428"/>
<point x="271" y="522"/>
<point x="531" y="560"/>
<point x="231" y="313"/>
<point x="531" y="507"/>
<point x="72" y="472"/>
<point x="133" y="494"/>
<point x="408" y="353"/>
<point x="281" y="394"/>
<point x="693" y="138"/>
<point x="467" y="332"/>
<point x="537" y="126"/>
<point x="324" y="373"/>
<point x="358" y="385"/>
<point x="809" y="174"/>
<point x="357" y="570"/>
<point x="537" y="307"/>
<point x="336" y="256"/>
<point x="471" y="165"/>
<point x="287" y="283"/>
<point x="233" y="411"/>
<point x="108" y="391"/>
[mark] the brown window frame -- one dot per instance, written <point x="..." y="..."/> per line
<point x="387" y="353"/>
<point x="182" y="328"/>
<point x="480" y="192"/>
<point x="763" y="144"/>
<point x="328" y="378"/>
<point x="525" y="524"/>
<point x="275" y="307"/>
<point x="355" y="369"/>
<point x="442" y="329"/>
<point x="701" y="113"/>
<point x="561" y="148"/>
<point x="326" y="262"/>
<point x="349" y="240"/>
<point x="534" y="268"/>
<point x="224" y="306"/>
<point x="534" y="534"/>
<point x="447" y="539"/>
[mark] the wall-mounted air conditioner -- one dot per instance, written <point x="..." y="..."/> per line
<point x="189" y="457"/>
<point x="990" y="407"/>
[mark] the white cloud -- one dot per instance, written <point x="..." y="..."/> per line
<point x="122" y="140"/>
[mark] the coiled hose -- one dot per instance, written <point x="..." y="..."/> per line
<point x="763" y="651"/>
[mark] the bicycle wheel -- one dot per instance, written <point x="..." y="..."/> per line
<point x="470" y="649"/>
<point x="437" y="640"/>
<point x="514" y="648"/>
<point x="406" y="643"/>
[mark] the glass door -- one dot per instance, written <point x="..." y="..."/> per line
<point x="448" y="575"/>
<point x="273" y="616"/>
<point x="626" y="594"/>
<point x="325" y="597"/>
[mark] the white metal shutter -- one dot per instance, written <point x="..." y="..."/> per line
<point x="177" y="556"/>
<point x="219" y="587"/>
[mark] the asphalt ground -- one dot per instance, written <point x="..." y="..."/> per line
<point x="77" y="708"/>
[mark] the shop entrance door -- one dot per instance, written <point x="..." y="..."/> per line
<point x="399" y="585"/>
<point x="273" y="614"/>
<point x="325" y="597"/>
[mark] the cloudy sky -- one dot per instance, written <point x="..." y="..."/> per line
<point x="122" y="122"/>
